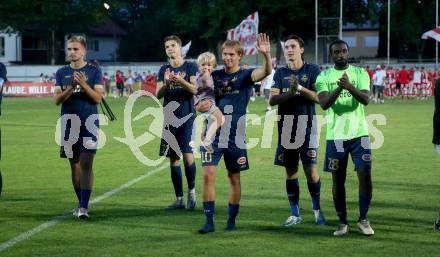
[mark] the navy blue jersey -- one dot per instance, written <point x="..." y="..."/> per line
<point x="79" y="103"/>
<point x="298" y="105"/>
<point x="233" y="89"/>
<point x="176" y="92"/>
<point x="306" y="76"/>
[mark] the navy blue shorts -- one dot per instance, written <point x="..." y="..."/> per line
<point x="235" y="158"/>
<point x="183" y="135"/>
<point x="289" y="158"/>
<point x="336" y="155"/>
<point x="87" y="141"/>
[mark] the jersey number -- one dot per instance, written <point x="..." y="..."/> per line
<point x="333" y="164"/>
<point x="206" y="157"/>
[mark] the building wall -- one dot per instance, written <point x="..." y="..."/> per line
<point x="10" y="47"/>
<point x="363" y="43"/>
<point x="102" y="48"/>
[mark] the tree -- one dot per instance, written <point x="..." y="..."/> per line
<point x="409" y="19"/>
<point x="54" y="18"/>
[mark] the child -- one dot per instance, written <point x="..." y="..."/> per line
<point x="213" y="117"/>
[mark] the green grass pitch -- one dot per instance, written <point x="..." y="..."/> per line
<point x="133" y="222"/>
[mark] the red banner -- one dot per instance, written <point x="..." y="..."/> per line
<point x="28" y="89"/>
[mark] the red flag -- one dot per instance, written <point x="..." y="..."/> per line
<point x="246" y="32"/>
<point x="432" y="34"/>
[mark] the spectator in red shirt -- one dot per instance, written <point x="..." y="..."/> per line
<point x="402" y="80"/>
<point x="119" y="78"/>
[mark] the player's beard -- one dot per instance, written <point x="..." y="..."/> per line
<point x="341" y="62"/>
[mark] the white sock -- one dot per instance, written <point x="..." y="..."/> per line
<point x="437" y="147"/>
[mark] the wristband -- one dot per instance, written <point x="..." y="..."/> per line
<point x="299" y="88"/>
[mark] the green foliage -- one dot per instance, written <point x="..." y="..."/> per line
<point x="50" y="14"/>
<point x="206" y="22"/>
<point x="409" y="20"/>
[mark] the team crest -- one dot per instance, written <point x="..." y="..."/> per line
<point x="241" y="160"/>
<point x="181" y="74"/>
<point x="304" y="78"/>
<point x="366" y="157"/>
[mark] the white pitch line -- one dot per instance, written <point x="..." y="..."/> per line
<point x="26" y="235"/>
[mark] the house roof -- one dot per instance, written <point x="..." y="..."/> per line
<point x="108" y="28"/>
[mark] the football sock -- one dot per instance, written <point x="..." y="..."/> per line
<point x="292" y="189"/>
<point x="78" y="194"/>
<point x="232" y="214"/>
<point x="339" y="196"/>
<point x="365" y="193"/>
<point x="209" y="209"/>
<point x="315" y="192"/>
<point x="176" y="177"/>
<point x="190" y="173"/>
<point x="85" y="196"/>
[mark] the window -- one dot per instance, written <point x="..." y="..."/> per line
<point x="2" y="46"/>
<point x="93" y="45"/>
<point x="371" y="41"/>
<point x="351" y="41"/>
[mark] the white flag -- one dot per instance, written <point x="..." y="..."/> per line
<point x="432" y="34"/>
<point x="185" y="49"/>
<point x="246" y="33"/>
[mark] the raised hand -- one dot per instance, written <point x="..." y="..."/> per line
<point x="263" y="43"/>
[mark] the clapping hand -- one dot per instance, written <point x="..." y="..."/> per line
<point x="79" y="78"/>
<point x="167" y="76"/>
<point x="344" y="82"/>
<point x="293" y="84"/>
<point x="177" y="79"/>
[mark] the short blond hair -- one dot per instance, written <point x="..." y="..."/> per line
<point x="234" y="44"/>
<point x="78" y="39"/>
<point x="207" y="57"/>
